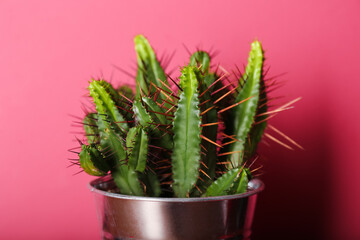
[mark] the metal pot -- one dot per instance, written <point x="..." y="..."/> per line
<point x="131" y="217"/>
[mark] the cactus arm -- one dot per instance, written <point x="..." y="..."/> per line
<point x="244" y="113"/>
<point x="258" y="128"/>
<point x="152" y="183"/>
<point x="223" y="184"/>
<point x="126" y="91"/>
<point x="90" y="127"/>
<point x="121" y="103"/>
<point x="149" y="68"/>
<point x="141" y="115"/>
<point x="241" y="183"/>
<point x="124" y="177"/>
<point x="110" y="140"/>
<point x="138" y="153"/>
<point x="107" y="115"/>
<point x="92" y="161"/>
<point x="130" y="139"/>
<point x="200" y="59"/>
<point x="127" y="181"/>
<point x="155" y="111"/>
<point x="186" y="127"/>
<point x="210" y="132"/>
<point x="105" y="105"/>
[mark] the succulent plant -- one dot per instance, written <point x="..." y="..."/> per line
<point x="194" y="141"/>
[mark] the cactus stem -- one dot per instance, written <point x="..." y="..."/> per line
<point x="286" y="137"/>
<point x="210" y="141"/>
<point x="277" y="141"/>
<point x="207" y="110"/>
<point x="234" y="105"/>
<point x="211" y="85"/>
<point x="223" y="96"/>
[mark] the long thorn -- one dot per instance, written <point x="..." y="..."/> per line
<point x="286" y="137"/>
<point x="234" y="105"/>
<point x="210" y="141"/>
<point x="278" y="141"/>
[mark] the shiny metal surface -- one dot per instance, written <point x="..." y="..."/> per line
<point x="131" y="217"/>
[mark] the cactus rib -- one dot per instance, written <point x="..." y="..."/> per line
<point x="186" y="127"/>
<point x="244" y="113"/>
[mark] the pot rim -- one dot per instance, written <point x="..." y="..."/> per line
<point x="255" y="185"/>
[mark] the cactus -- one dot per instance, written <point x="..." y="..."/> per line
<point x="190" y="143"/>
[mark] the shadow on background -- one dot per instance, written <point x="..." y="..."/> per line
<point x="294" y="202"/>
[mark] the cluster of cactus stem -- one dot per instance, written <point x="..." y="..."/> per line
<point x="192" y="141"/>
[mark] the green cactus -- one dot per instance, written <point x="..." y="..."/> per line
<point x="242" y="116"/>
<point x="186" y="127"/>
<point x="192" y="143"/>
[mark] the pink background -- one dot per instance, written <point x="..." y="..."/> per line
<point x="50" y="49"/>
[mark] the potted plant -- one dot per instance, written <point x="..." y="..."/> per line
<point x="175" y="156"/>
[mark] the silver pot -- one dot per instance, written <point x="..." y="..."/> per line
<point x="131" y="217"/>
